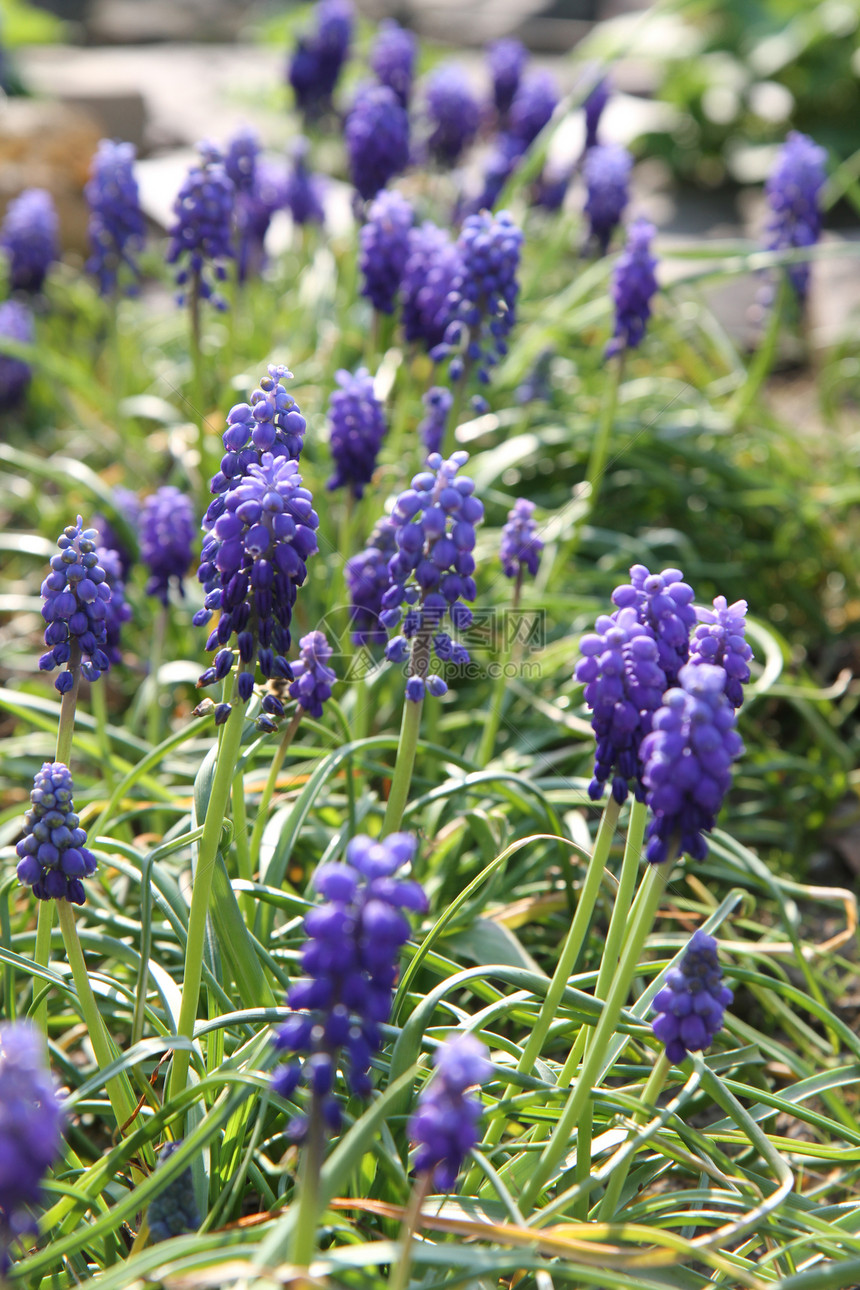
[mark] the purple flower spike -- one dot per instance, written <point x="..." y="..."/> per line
<point x="689" y="1009"/>
<point x="377" y="139"/>
<point x="75" y="598"/>
<point x="607" y="180"/>
<point x="173" y="1210"/>
<point x="393" y="58"/>
<point x="202" y="231"/>
<point x="453" y="112"/>
<point x="633" y="286"/>
<point x="794" y="197"/>
<point x="445" y="1125"/>
<point x="313" y="677"/>
<point x="506" y="60"/>
<point x="52" y="854"/>
<point x="358" y="426"/>
<point x="31" y="1128"/>
<point x="503" y="160"/>
<point x="29" y="237"/>
<point x="254" y="211"/>
<point x="167" y="529"/>
<point x="664" y="602"/>
<point x="687" y="759"/>
<point x="350" y="962"/>
<point x="271" y="422"/>
<point x="117" y="228"/>
<point x="240" y="159"/>
<point x="438" y="402"/>
<point x="368" y="581"/>
<point x="593" y="109"/>
<point x="520" y="547"/>
<point x="316" y="63"/>
<point x="484" y="293"/>
<point x="719" y="639"/>
<point x="384" y="243"/>
<point x="303" y="195"/>
<point x="127" y="504"/>
<point x="16" y="323"/>
<point x="118" y="609"/>
<point x="534" y="103"/>
<point x="432" y="267"/>
<point x="432" y="571"/>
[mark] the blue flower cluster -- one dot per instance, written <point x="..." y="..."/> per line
<point x="167" y="530"/>
<point x="377" y="139"/>
<point x="16" y="323"/>
<point x="31" y="1129"/>
<point x="665" y="603"/>
<point x="118" y="608"/>
<point x="358" y="426"/>
<point x="794" y="196"/>
<point x="393" y="56"/>
<point x="432" y="571"/>
<point x="384" y="242"/>
<point x="254" y="211"/>
<point x="719" y="639"/>
<point x="201" y="236"/>
<point x="350" y="962"/>
<point x="53" y="856"/>
<point x="633" y="287"/>
<point x="445" y="1125"/>
<point x="116" y="227"/>
<point x="29" y="238"/>
<point x="606" y="172"/>
<point x="533" y="105"/>
<point x="520" y="546"/>
<point x="689" y="1008"/>
<point x="127" y="504"/>
<point x="303" y="193"/>
<point x="253" y="561"/>
<point x="432" y="267"/>
<point x="316" y="63"/>
<point x="438" y="401"/>
<point x="367" y="579"/>
<point x="313" y="678"/>
<point x="270" y="422"/>
<point x="453" y="113"/>
<point x="173" y="1210"/>
<point x="241" y="157"/>
<point x="506" y="59"/>
<point x="593" y="108"/>
<point x="687" y="761"/>
<point x="485" y="291"/>
<point x="75" y="595"/>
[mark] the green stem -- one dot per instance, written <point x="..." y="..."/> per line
<point x="398" y="1278"/>
<point x="228" y="752"/>
<point x="618" y="923"/>
<point x="44" y="927"/>
<point x="759" y="369"/>
<point x="653" y="886"/>
<point x="268" y="791"/>
<point x="304" y="1238"/>
<point x="651" y="1091"/>
<point x="494" y="716"/>
<point x="153" y="715"/>
<point x="405" y="761"/>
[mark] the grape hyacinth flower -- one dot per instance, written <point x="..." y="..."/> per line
<point x="29" y="237"/>
<point x="520" y="546"/>
<point x="202" y="231"/>
<point x="503" y="160"/>
<point x="117" y="227"/>
<point x="118" y="608"/>
<point x="254" y="211"/>
<point x="316" y="63"/>
<point x="16" y="323"/>
<point x="453" y="113"/>
<point x="313" y="678"/>
<point x="537" y="383"/>
<point x="485" y="291"/>
<point x="633" y="286"/>
<point x="438" y="402"/>
<point x="367" y="579"/>
<point x="719" y="639"/>
<point x="303" y="192"/>
<point x="794" y="197"/>
<point x="75" y="595"/>
<point x="687" y="761"/>
<point x="173" y="1211"/>
<point x="384" y="242"/>
<point x="31" y="1129"/>
<point x="167" y="529"/>
<point x="271" y="422"/>
<point x="432" y="571"/>
<point x="433" y="265"/>
<point x="261" y="533"/>
<point x="550" y="188"/>
<point x="506" y="60"/>
<point x="533" y="105"/>
<point x="624" y="687"/>
<point x="665" y="603"/>
<point x="350" y="961"/>
<point x="607" y="180"/>
<point x="240" y="159"/>
<point x="358" y="426"/>
<point x="377" y="139"/>
<point x="127" y="504"/>
<point x="52" y="854"/>
<point x="593" y="108"/>
<point x="689" y="1008"/>
<point x="445" y="1125"/>
<point x="392" y="58"/>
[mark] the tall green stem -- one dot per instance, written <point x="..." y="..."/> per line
<point x="494" y="716"/>
<point x="410" y="728"/>
<point x="304" y="1237"/>
<point x="44" y="927"/>
<point x="398" y="1278"/>
<point x="623" y="898"/>
<point x="760" y="367"/>
<point x="650" y="1093"/>
<point x="269" y="789"/>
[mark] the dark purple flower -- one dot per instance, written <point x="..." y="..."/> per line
<point x="689" y="1008"/>
<point x="202" y="231"/>
<point x="313" y="678"/>
<point x="316" y="63"/>
<point x="254" y="211"/>
<point x="53" y="856"/>
<point x="432" y="266"/>
<point x="606" y="172"/>
<point x="506" y="59"/>
<point x="127" y="504"/>
<point x="31" y="1129"/>
<point x="118" y="608"/>
<point x="794" y="198"/>
<point x="550" y="188"/>
<point x="503" y="160"/>
<point x="432" y="571"/>
<point x="453" y="112"/>
<point x="30" y="238"/>
<point x="240" y="159"/>
<point x="75" y="596"/>
<point x="687" y="761"/>
<point x="593" y="108"/>
<point x="384" y="241"/>
<point x="357" y="426"/>
<point x="438" y="402"/>
<point x="16" y="323"/>
<point x="665" y="603"/>
<point x="719" y="639"/>
<point x="377" y="139"/>
<point x="303" y="194"/>
<point x="445" y="1125"/>
<point x="537" y="384"/>
<point x="117" y="227"/>
<point x="633" y="286"/>
<point x="350" y="962"/>
<point x="367" y="579"/>
<point x="533" y="105"/>
<point x="173" y="1210"/>
<point x="167" y="529"/>
<point x="272" y="422"/>
<point x="484" y="293"/>
<point x="520" y="546"/>
<point x="393" y="56"/>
